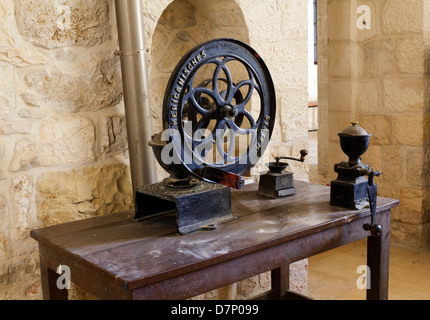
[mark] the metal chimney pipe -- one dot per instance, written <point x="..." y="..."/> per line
<point x="136" y="91"/>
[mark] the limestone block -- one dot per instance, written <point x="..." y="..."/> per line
<point x="380" y="127"/>
<point x="221" y="14"/>
<point x="373" y="156"/>
<point x="294" y="19"/>
<point x="12" y="50"/>
<point x="389" y="189"/>
<point x="180" y="45"/>
<point x="369" y="94"/>
<point x="82" y="193"/>
<point x="409" y="130"/>
<point x="178" y="15"/>
<point x="66" y="140"/>
<point x="324" y="165"/>
<point x="410" y="55"/>
<point x="399" y="16"/>
<point x="335" y="155"/>
<point x="77" y="293"/>
<point x="246" y="287"/>
<point x="152" y="10"/>
<point x="407" y="233"/>
<point x="411" y="205"/>
<point x="340" y="90"/>
<point x="258" y="12"/>
<point x="294" y="116"/>
<point x="299" y="276"/>
<point x="377" y="57"/>
<point x="15" y="127"/>
<point x="25" y="155"/>
<point x="23" y="189"/>
<point x="5" y="245"/>
<point x="426" y="235"/>
<point x="286" y="63"/>
<point x="268" y="31"/>
<point x="392" y="165"/>
<point x="323" y="85"/>
<point x="337" y="121"/>
<point x="33" y="114"/>
<point x="158" y="87"/>
<point x="340" y="62"/>
<point x="2" y="152"/>
<point x="265" y="280"/>
<point x="7" y="89"/>
<point x="4" y="108"/>
<point x="416" y="169"/>
<point x="91" y="84"/>
<point x="403" y="94"/>
<point x="339" y="26"/>
<point x="22" y="55"/>
<point x="53" y="24"/>
<point x="114" y="133"/>
<point x="322" y="51"/>
<point x="21" y="279"/>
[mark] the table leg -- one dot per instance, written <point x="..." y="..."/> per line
<point x="378" y="254"/>
<point x="280" y="282"/>
<point x="49" y="284"/>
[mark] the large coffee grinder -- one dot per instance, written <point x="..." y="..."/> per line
<point x="218" y="116"/>
<point x="351" y="189"/>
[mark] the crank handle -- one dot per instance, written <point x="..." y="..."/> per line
<point x="371" y="175"/>
<point x="226" y="178"/>
<point x="303" y="154"/>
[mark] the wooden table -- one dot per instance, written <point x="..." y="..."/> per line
<point x="115" y="258"/>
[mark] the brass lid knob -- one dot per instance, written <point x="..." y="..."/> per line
<point x="354" y="130"/>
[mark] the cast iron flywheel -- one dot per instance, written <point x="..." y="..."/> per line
<point x="219" y="108"/>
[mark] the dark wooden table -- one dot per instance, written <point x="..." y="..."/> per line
<point x="115" y="258"/>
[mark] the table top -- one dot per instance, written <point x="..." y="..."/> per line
<point x="140" y="253"/>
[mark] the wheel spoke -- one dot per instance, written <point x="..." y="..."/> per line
<point x="191" y="97"/>
<point x="229" y="81"/>
<point x="244" y="102"/>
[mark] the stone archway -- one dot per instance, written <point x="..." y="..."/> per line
<point x="181" y="26"/>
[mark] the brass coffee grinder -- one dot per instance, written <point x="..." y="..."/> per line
<point x="351" y="189"/>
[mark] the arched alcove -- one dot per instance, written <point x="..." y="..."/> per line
<point x="183" y="25"/>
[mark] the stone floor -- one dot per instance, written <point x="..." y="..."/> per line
<point x="333" y="275"/>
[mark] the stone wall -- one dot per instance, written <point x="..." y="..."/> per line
<point x="376" y="75"/>
<point x="63" y="144"/>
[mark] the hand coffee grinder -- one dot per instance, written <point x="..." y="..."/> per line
<point x="351" y="189"/>
<point x="278" y="182"/>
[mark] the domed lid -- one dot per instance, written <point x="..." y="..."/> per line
<point x="354" y="130"/>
